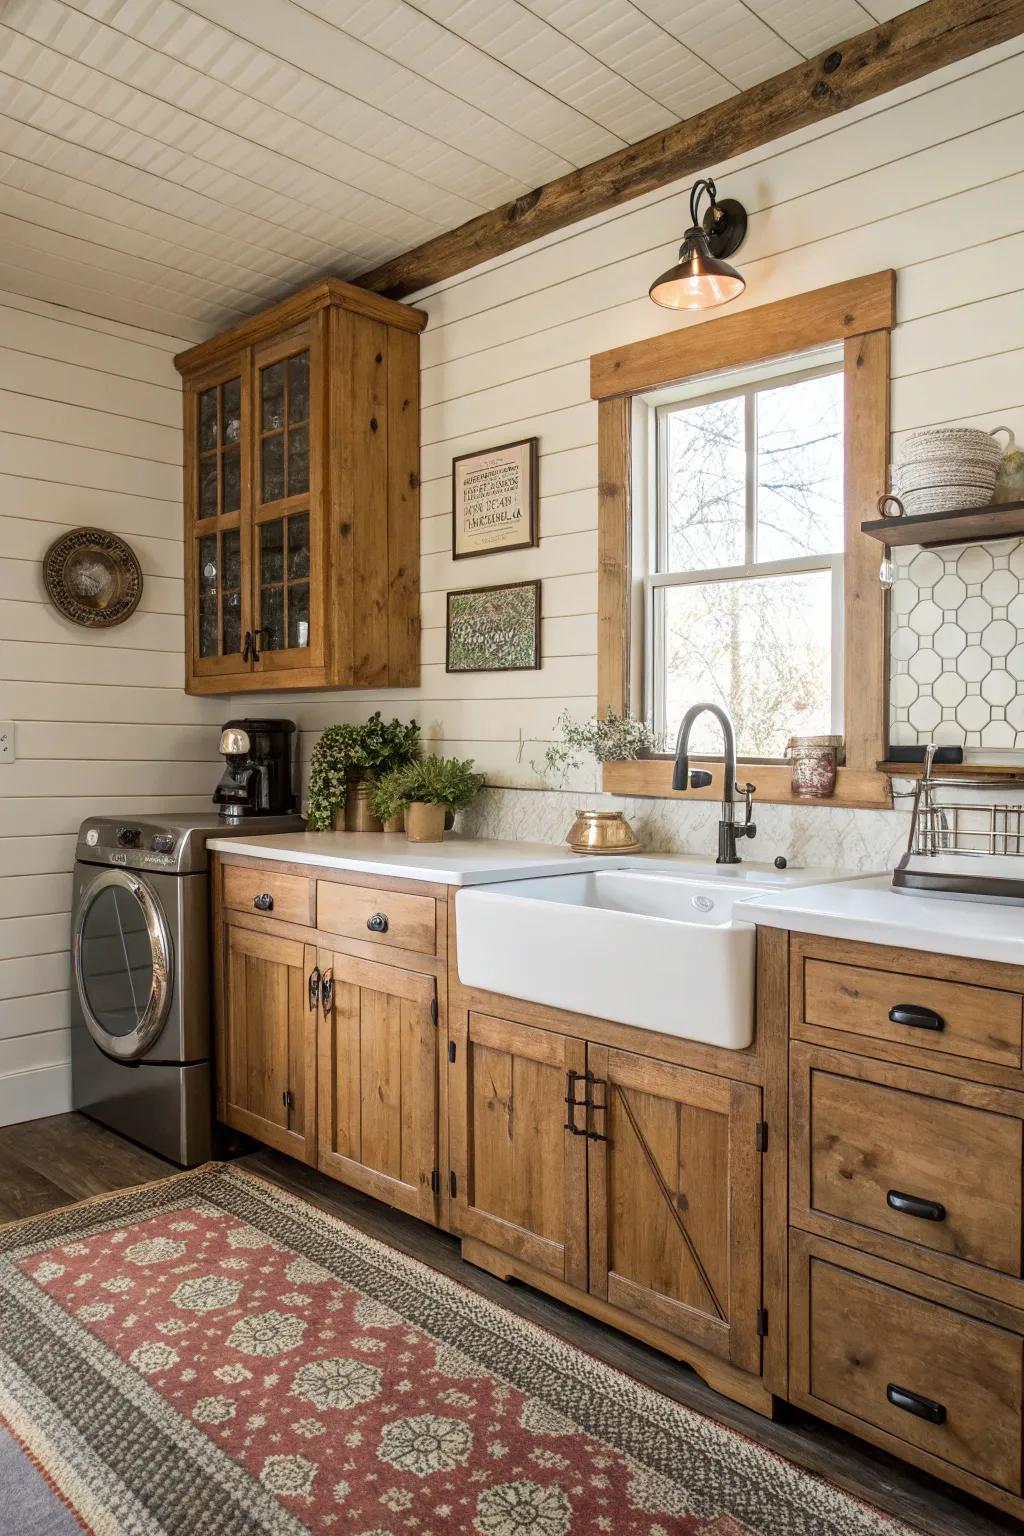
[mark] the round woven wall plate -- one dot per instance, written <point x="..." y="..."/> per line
<point x="92" y="577"/>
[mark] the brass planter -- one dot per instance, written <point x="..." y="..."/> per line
<point x="359" y="815"/>
<point x="425" y="823"/>
<point x="602" y="832"/>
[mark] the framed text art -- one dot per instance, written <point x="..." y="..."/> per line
<point x="494" y="500"/>
<point x="494" y="629"/>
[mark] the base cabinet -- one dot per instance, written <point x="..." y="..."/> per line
<point x="267" y="1072"/>
<point x="377" y="1081"/>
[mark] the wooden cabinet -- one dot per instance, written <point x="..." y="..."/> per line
<point x="377" y="1080"/>
<point x="267" y="1066"/>
<point x="302" y="496"/>
<point x="675" y="1200"/>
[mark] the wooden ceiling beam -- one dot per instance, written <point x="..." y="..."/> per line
<point x="911" y="45"/>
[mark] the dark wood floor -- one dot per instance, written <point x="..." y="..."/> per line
<point x="47" y="1163"/>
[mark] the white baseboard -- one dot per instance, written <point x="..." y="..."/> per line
<point x="35" y="1094"/>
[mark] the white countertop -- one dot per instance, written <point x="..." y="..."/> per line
<point x="871" y="910"/>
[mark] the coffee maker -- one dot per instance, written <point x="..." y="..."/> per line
<point x="257" y="779"/>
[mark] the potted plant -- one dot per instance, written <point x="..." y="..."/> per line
<point x="426" y="791"/>
<point x="346" y="762"/>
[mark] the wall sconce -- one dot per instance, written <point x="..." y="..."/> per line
<point x="702" y="278"/>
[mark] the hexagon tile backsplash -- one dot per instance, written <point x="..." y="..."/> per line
<point x="957" y="646"/>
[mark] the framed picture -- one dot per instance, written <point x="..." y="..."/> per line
<point x="494" y="500"/>
<point x="494" y="629"/>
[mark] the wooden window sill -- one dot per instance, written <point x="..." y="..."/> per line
<point x="856" y="789"/>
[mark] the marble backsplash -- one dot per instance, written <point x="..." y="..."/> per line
<point x="832" y="838"/>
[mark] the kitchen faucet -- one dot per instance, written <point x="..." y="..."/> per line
<point x="682" y="778"/>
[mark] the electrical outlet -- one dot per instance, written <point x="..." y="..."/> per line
<point x="7" y="753"/>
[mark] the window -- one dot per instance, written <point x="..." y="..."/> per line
<point x="744" y="583"/>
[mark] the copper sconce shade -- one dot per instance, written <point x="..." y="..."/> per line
<point x="702" y="277"/>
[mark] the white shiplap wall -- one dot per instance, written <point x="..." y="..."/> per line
<point x="929" y="180"/>
<point x="89" y="433"/>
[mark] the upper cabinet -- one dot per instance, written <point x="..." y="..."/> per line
<point x="302" y="497"/>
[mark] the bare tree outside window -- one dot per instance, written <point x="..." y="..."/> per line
<point x="747" y="593"/>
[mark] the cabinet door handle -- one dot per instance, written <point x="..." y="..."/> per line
<point x="327" y="993"/>
<point x="913" y="1402"/>
<point x="264" y="902"/>
<point x="255" y="645"/>
<point x="913" y="1205"/>
<point x="378" y="923"/>
<point x="915" y="1017"/>
<point x="314" y="988"/>
<point x="288" y="1099"/>
<point x="247" y="647"/>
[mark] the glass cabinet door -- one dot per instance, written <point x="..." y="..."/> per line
<point x="219" y="577"/>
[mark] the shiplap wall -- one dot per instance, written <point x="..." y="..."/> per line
<point x="89" y="433"/>
<point x="929" y="180"/>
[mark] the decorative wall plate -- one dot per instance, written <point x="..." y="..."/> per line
<point x="92" y="577"/>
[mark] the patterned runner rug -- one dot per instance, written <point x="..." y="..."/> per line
<point x="210" y="1354"/>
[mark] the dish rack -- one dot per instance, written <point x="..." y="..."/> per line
<point x="960" y="845"/>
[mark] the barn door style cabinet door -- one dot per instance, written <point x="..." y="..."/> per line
<point x="302" y="497"/>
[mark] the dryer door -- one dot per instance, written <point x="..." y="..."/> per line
<point x="123" y="964"/>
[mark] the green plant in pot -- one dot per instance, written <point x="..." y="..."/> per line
<point x="347" y="760"/>
<point x="426" y="791"/>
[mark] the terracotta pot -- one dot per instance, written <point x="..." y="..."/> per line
<point x="359" y="815"/>
<point x="424" y="823"/>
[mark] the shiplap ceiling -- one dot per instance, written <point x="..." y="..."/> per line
<point x="177" y="166"/>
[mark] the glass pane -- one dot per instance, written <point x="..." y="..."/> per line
<point x="207" y="626"/>
<point x="208" y="563"/>
<point x="760" y="647"/>
<point x="272" y="618"/>
<point x="298" y="461"/>
<point x="298" y="614"/>
<point x="272" y="479"/>
<point x="231" y="410"/>
<point x="272" y="397"/>
<point x="207" y="420"/>
<point x="117" y="960"/>
<point x="231" y="492"/>
<point x="231" y="555"/>
<point x="800" y="468"/>
<point x="272" y="552"/>
<point x="231" y="624"/>
<point x="298" y="387"/>
<point x="298" y="547"/>
<point x="208" y="486"/>
<point x="705" y="493"/>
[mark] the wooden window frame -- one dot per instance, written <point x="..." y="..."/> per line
<point x="859" y="313"/>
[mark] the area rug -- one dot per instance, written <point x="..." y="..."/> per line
<point x="212" y="1354"/>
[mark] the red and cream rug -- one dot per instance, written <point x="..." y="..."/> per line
<point x="210" y="1354"/>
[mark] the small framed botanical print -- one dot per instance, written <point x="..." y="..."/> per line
<point x="494" y="629"/>
<point x="494" y="500"/>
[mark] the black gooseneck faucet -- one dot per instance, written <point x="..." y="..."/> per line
<point x="728" y="832"/>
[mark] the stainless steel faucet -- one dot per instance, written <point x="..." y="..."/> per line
<point x="682" y="778"/>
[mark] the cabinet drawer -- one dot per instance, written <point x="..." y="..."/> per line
<point x="938" y="1017"/>
<point x="927" y="1375"/>
<point x="377" y="917"/>
<point x="260" y="890"/>
<point x="882" y="1148"/>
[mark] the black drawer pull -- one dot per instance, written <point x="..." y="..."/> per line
<point x="915" y="1017"/>
<point x="913" y="1205"/>
<point x="378" y="923"/>
<point x="913" y="1402"/>
<point x="264" y="902"/>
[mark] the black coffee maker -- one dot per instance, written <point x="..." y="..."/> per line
<point x="257" y="780"/>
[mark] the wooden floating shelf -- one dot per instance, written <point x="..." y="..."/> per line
<point x="955" y="770"/>
<point x="1001" y="520"/>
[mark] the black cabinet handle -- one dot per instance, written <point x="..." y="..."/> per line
<point x="264" y="902"/>
<point x="913" y="1402"/>
<point x="378" y="923"/>
<point x="255" y="642"/>
<point x="247" y="647"/>
<point x="915" y="1017"/>
<point x="327" y="993"/>
<point x="314" y="988"/>
<point x="913" y="1205"/>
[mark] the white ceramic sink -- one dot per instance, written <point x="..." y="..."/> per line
<point x="664" y="952"/>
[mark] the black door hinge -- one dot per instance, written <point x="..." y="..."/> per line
<point x="761" y="1136"/>
<point x="762" y="1322"/>
<point x="433" y="1011"/>
<point x="453" y="1185"/>
<point x="435" y="1181"/>
<point x="451" y="1050"/>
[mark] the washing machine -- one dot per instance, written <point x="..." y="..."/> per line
<point x="141" y="1016"/>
